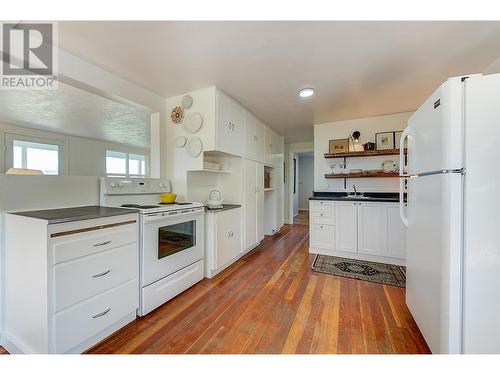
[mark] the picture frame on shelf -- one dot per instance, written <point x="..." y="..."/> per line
<point x="338" y="146"/>
<point x="384" y="140"/>
<point x="397" y="139"/>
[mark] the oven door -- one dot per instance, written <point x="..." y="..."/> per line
<point x="170" y="242"/>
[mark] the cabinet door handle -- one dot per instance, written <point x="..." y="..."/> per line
<point x="102" y="274"/>
<point x="102" y="313"/>
<point x="320" y="214"/>
<point x="321" y="226"/>
<point x="102" y="243"/>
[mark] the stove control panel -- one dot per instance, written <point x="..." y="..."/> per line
<point x="121" y="185"/>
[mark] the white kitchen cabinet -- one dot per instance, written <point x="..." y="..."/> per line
<point x="254" y="138"/>
<point x="322" y="238"/>
<point x="223" y="239"/>
<point x="271" y="146"/>
<point x="281" y="198"/>
<point x="370" y="228"/>
<point x="68" y="285"/>
<point x="253" y="205"/>
<point x="394" y="234"/>
<point x="359" y="229"/>
<point x="321" y="227"/>
<point x="230" y="130"/>
<point x="346" y="228"/>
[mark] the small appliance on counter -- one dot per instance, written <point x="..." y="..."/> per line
<point x="368" y="146"/>
<point x="215" y="199"/>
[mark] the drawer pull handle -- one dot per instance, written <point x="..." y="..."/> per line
<point x="102" y="274"/>
<point x="102" y="243"/>
<point x="102" y="313"/>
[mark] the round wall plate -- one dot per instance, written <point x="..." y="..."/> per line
<point x="180" y="142"/>
<point x="194" y="147"/>
<point x="192" y="123"/>
<point x="187" y="101"/>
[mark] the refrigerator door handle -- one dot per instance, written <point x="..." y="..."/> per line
<point x="404" y="219"/>
<point x="402" y="178"/>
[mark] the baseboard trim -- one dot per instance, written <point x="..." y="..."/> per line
<point x="357" y="256"/>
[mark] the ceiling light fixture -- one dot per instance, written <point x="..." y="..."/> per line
<point x="306" y="93"/>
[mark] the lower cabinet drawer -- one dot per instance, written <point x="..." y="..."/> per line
<point x="81" y="322"/>
<point x="158" y="293"/>
<point x="85" y="277"/>
<point x="326" y="218"/>
<point x="321" y="206"/>
<point x="86" y="243"/>
<point x="322" y="236"/>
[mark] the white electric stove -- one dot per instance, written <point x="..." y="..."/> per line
<point x="171" y="237"/>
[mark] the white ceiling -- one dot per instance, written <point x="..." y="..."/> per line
<point x="70" y="110"/>
<point x="359" y="69"/>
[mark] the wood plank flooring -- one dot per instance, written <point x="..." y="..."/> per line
<point x="302" y="217"/>
<point x="271" y="302"/>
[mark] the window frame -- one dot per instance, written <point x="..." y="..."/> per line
<point x="9" y="150"/>
<point x="127" y="165"/>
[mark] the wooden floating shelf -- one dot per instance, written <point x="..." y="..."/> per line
<point x="357" y="154"/>
<point x="362" y="175"/>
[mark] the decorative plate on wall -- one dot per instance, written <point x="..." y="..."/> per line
<point x="177" y="115"/>
<point x="193" y="122"/>
<point x="180" y="142"/>
<point x="194" y="147"/>
<point x="187" y="101"/>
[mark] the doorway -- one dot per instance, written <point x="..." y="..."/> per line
<point x="303" y="186"/>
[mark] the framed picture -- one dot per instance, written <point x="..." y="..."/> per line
<point x="397" y="138"/>
<point x="384" y="141"/>
<point x="338" y="146"/>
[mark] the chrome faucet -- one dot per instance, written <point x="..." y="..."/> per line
<point x="355" y="191"/>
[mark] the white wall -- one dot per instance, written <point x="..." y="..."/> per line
<point x="342" y="129"/>
<point x="82" y="156"/>
<point x="306" y="180"/>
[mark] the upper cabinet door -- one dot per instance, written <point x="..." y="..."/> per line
<point x="370" y="228"/>
<point x="269" y="138"/>
<point x="230" y="125"/>
<point x="254" y="138"/>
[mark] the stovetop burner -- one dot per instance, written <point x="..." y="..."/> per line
<point x="139" y="206"/>
<point x="177" y="203"/>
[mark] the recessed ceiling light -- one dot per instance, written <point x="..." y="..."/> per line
<point x="305" y="93"/>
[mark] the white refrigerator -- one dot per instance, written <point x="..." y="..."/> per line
<point x="453" y="215"/>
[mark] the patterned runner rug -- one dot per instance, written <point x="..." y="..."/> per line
<point x="359" y="269"/>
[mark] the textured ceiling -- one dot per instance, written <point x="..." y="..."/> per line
<point x="359" y="69"/>
<point x="70" y="110"/>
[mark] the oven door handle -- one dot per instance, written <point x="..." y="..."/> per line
<point x="170" y="215"/>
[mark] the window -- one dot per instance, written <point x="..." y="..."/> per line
<point x="125" y="164"/>
<point x="27" y="154"/>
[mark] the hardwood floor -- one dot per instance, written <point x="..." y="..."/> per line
<point x="302" y="218"/>
<point x="271" y="302"/>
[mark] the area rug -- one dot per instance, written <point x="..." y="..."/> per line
<point x="362" y="270"/>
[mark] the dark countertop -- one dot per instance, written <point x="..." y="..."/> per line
<point x="225" y="207"/>
<point x="65" y="215"/>
<point x="368" y="197"/>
